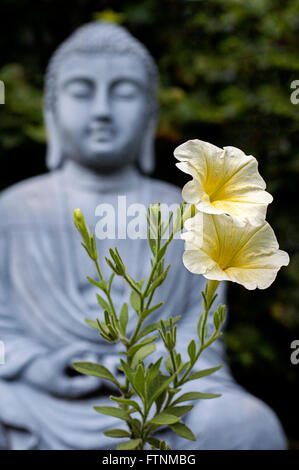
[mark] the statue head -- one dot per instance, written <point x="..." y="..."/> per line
<point x="101" y="100"/>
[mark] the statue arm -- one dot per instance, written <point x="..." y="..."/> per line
<point x="25" y="358"/>
<point x="20" y="350"/>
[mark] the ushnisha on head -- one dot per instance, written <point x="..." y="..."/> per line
<point x="101" y="102"/>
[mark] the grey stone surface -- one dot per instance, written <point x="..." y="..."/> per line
<point x="101" y="111"/>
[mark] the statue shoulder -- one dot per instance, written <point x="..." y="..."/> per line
<point x="162" y="191"/>
<point x="22" y="200"/>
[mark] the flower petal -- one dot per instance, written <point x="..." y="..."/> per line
<point x="225" y="181"/>
<point x="220" y="249"/>
<point x="256" y="276"/>
<point x="195" y="148"/>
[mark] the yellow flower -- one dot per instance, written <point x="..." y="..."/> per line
<point x="225" y="181"/>
<point x="220" y="250"/>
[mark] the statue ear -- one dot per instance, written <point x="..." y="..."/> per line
<point x="147" y="151"/>
<point x="54" y="152"/>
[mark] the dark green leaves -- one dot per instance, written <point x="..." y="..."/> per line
<point x="135" y="301"/>
<point x="219" y="318"/>
<point x="164" y="418"/>
<point x="142" y="353"/>
<point x="134" y="349"/>
<point x="129" y="445"/>
<point x="159" y="385"/>
<point x="127" y="401"/>
<point x="117" y="433"/>
<point x="155" y="326"/>
<point x="92" y="323"/>
<point x="123" y="318"/>
<point x="139" y="381"/>
<point x="195" y="396"/>
<point x="102" y="302"/>
<point x="192" y="350"/>
<point x="153" y="388"/>
<point x="97" y="370"/>
<point x="203" y="373"/>
<point x="183" y="431"/>
<point x="178" y="410"/>
<point x="112" y="411"/>
<point x="202" y="328"/>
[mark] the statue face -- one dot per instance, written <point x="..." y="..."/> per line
<point x="101" y="110"/>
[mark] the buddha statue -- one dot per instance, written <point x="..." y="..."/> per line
<point x="100" y="111"/>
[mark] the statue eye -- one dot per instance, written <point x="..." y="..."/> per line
<point x="79" y="88"/>
<point x="125" y="89"/>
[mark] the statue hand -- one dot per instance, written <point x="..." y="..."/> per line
<point x="50" y="373"/>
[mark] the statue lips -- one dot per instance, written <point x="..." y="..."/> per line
<point x="100" y="133"/>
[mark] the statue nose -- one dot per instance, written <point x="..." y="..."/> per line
<point x="101" y="106"/>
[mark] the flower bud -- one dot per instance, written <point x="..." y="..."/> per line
<point x="81" y="226"/>
<point x="89" y="242"/>
<point x="183" y="213"/>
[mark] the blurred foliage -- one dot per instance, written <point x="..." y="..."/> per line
<point x="23" y="112"/>
<point x="226" y="68"/>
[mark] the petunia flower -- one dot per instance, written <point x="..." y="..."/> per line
<point x="220" y="250"/>
<point x="225" y="181"/>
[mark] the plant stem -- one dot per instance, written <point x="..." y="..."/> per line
<point x="106" y="291"/>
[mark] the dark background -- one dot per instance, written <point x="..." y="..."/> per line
<point x="226" y="67"/>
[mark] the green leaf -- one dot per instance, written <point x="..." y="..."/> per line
<point x="129" y="373"/>
<point x="178" y="410"/>
<point x="127" y="401"/>
<point x="117" y="433"/>
<point x="152" y="372"/>
<point x="142" y="353"/>
<point x="136" y="347"/>
<point x="129" y="445"/>
<point x="92" y="323"/>
<point x="123" y="318"/>
<point x="97" y="370"/>
<point x="168" y="365"/>
<point x="164" y="418"/>
<point x="183" y="431"/>
<point x="160" y="388"/>
<point x="156" y="383"/>
<point x="101" y="285"/>
<point x="152" y="243"/>
<point x="139" y="381"/>
<point x="155" y="326"/>
<point x="154" y="442"/>
<point x="216" y="320"/>
<point x="103" y="303"/>
<point x="161" y="399"/>
<point x="110" y="281"/>
<point x="112" y="411"/>
<point x="136" y="427"/>
<point x="147" y="312"/>
<point x="113" y="267"/>
<point x="159" y="280"/>
<point x="202" y="332"/>
<point x="219" y="317"/>
<point x="192" y="350"/>
<point x="162" y="250"/>
<point x="135" y="301"/>
<point x="133" y="284"/>
<point x="203" y="373"/>
<point x="195" y="396"/>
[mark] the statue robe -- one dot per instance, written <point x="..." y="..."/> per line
<point x="44" y="298"/>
